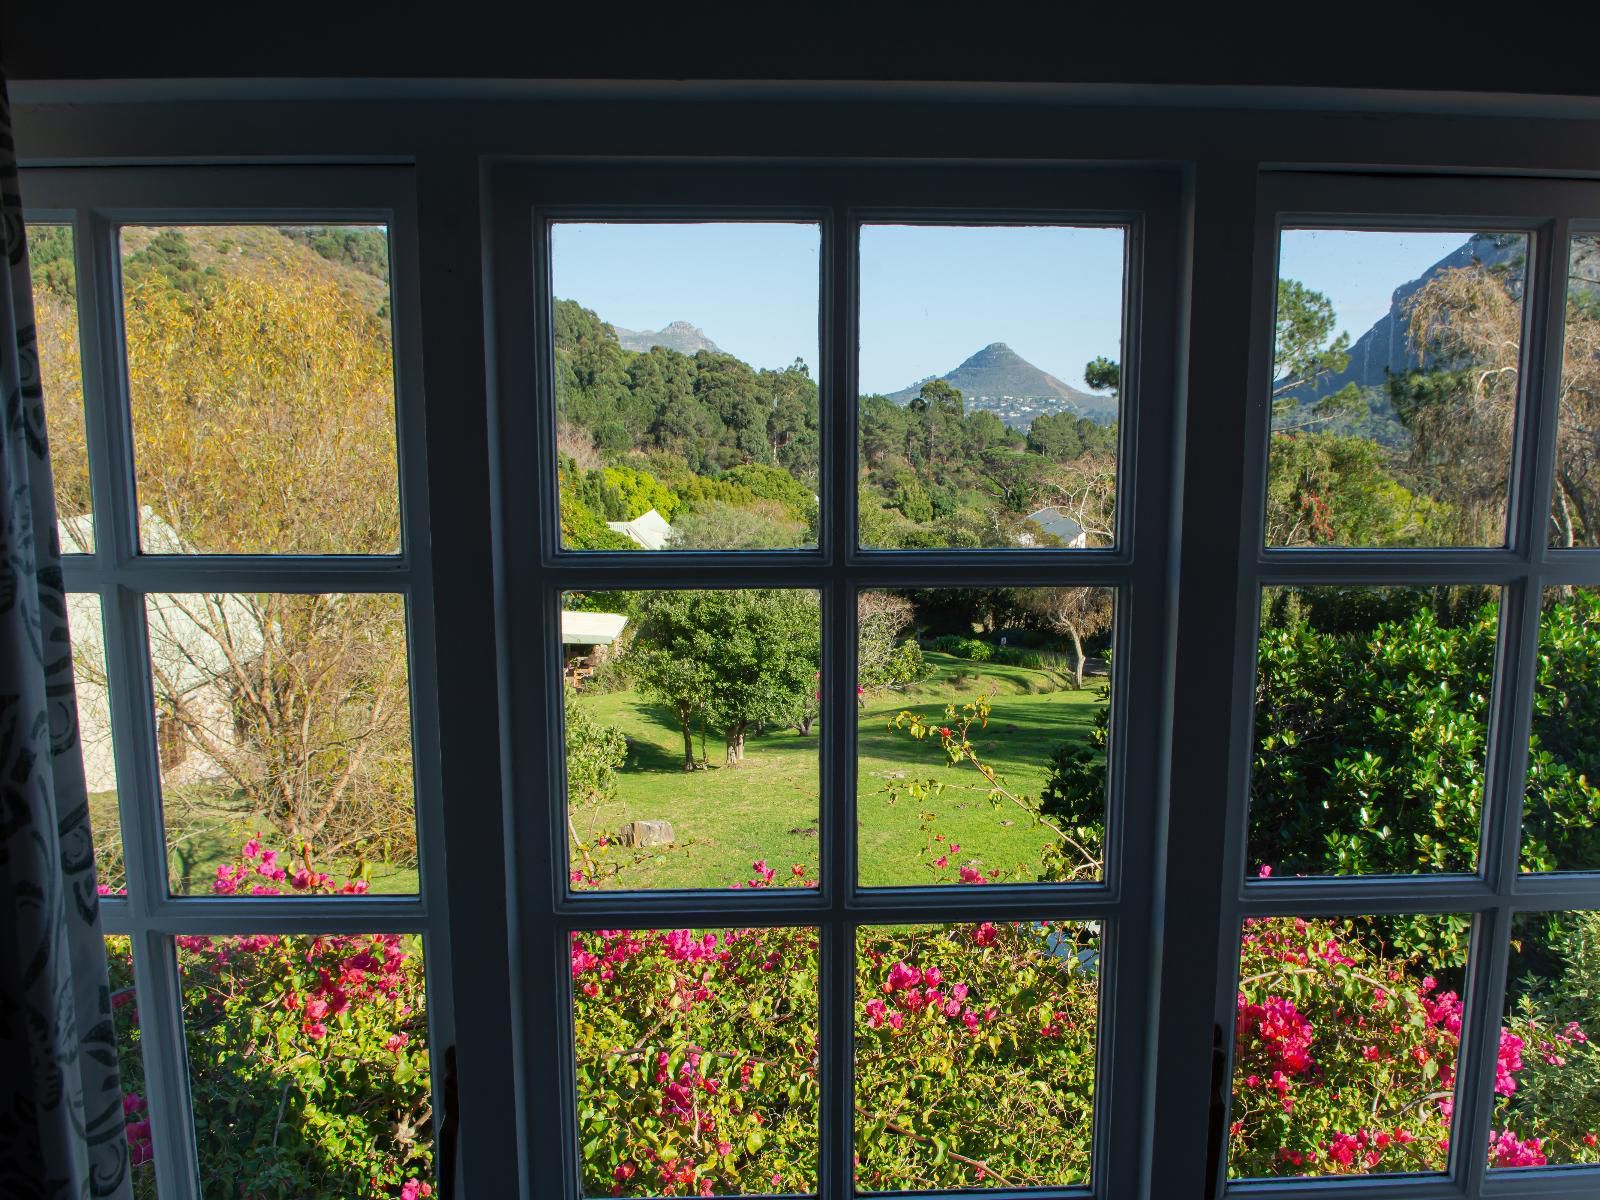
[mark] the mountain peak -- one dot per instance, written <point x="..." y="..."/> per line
<point x="999" y="379"/>
<point x="682" y="336"/>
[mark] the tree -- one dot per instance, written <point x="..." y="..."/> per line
<point x="1333" y="489"/>
<point x="263" y="420"/>
<point x="1459" y="405"/>
<point x="1078" y="612"/>
<point x="1103" y="375"/>
<point x="731" y="659"/>
<point x="761" y="525"/>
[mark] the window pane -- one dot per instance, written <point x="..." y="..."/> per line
<point x="283" y="734"/>
<point x="981" y="739"/>
<point x="990" y="379"/>
<point x="696" y="1060"/>
<point x="1396" y="367"/>
<point x="1575" y="502"/>
<point x="1561" y="812"/>
<point x="1346" y="1045"/>
<point x="130" y="1066"/>
<point x="692" y="728"/>
<point x="308" y="1064"/>
<point x="93" y="691"/>
<point x="52" y="263"/>
<point x="685" y="382"/>
<point x="975" y="1055"/>
<point x="1547" y="1104"/>
<point x="261" y="375"/>
<point x="1371" y="722"/>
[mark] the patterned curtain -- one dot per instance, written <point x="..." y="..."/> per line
<point x="61" y="1125"/>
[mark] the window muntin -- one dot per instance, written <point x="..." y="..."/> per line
<point x="841" y="577"/>
<point x="1499" y="690"/>
<point x="981" y="742"/>
<point x="261" y="351"/>
<point x="1396" y="373"/>
<point x="667" y="439"/>
<point x="117" y="581"/>
<point x="990" y="371"/>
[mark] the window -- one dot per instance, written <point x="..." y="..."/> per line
<point x="1405" y="991"/>
<point x="1106" y="681"/>
<point x="793" y="922"/>
<point x="243" y="523"/>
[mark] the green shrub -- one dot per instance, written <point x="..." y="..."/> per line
<point x="1018" y="656"/>
<point x="963" y="647"/>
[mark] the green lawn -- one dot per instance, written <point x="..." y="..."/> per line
<point x="205" y="829"/>
<point x="726" y="818"/>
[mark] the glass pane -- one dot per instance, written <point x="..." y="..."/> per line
<point x="1396" y="367"/>
<point x="52" y="264"/>
<point x="1561" y="810"/>
<point x="990" y="380"/>
<point x="261" y="378"/>
<point x="1547" y="1098"/>
<point x="685" y="382"/>
<point x="1371" y="723"/>
<point x="1575" y="502"/>
<point x="1347" y="1040"/>
<point x="692" y="730"/>
<point x="975" y="1055"/>
<point x="130" y="1066"/>
<point x="696" y="1060"/>
<point x="283" y="735"/>
<point x="93" y="691"/>
<point x="981" y="738"/>
<point x="308" y="1064"/>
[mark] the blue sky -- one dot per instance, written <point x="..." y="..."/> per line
<point x="1359" y="270"/>
<point x="930" y="295"/>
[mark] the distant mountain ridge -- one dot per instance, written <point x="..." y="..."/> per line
<point x="679" y="335"/>
<point x="1001" y="381"/>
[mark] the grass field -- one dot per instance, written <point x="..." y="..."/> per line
<point x="726" y="818"/>
<point x="206" y="829"/>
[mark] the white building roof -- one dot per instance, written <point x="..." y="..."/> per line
<point x="1053" y="521"/>
<point x="650" y="530"/>
<point x="591" y="628"/>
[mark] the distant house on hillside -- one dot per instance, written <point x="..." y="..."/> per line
<point x="1056" y="523"/>
<point x="649" y="531"/>
<point x="191" y="665"/>
<point x="587" y="639"/>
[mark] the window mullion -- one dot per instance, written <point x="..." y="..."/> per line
<point x="836" y="940"/>
<point x="1516" y="674"/>
<point x="132" y="717"/>
<point x="1207" y="775"/>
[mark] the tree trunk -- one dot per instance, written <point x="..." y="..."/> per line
<point x="1077" y="657"/>
<point x="688" y="743"/>
<point x="735" y="746"/>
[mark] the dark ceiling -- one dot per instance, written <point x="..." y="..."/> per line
<point x="1318" y="46"/>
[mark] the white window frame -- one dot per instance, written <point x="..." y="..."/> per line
<point x="1549" y="213"/>
<point x="95" y="202"/>
<point x="524" y="199"/>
